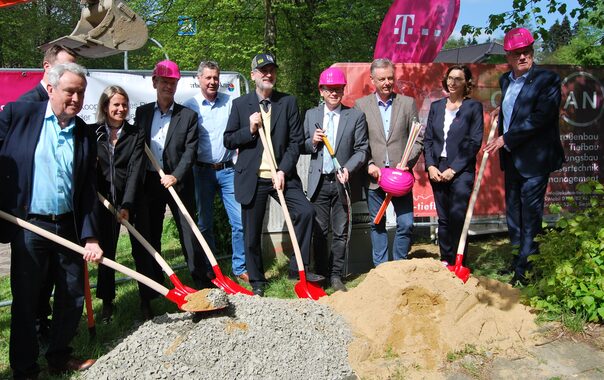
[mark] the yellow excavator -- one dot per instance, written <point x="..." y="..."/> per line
<point x="106" y="27"/>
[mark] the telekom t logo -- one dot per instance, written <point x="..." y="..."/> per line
<point x="407" y="28"/>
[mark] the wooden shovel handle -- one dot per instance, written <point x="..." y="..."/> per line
<point x="160" y="260"/>
<point x="288" y="219"/>
<point x="79" y="249"/>
<point x="183" y="209"/>
<point x="474" y="196"/>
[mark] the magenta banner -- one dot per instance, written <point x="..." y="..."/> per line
<point x="414" y="31"/>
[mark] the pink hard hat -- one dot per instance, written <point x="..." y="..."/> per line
<point x="396" y="182"/>
<point x="166" y="69"/>
<point x="332" y="77"/>
<point x="517" y="38"/>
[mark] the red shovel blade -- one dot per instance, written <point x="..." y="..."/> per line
<point x="228" y="285"/>
<point x="179" y="285"/>
<point x="307" y="289"/>
<point x="460" y="271"/>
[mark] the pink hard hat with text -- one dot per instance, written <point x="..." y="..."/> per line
<point x="517" y="38"/>
<point x="166" y="69"/>
<point x="332" y="77"/>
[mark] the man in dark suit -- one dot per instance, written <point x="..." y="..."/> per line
<point x="346" y="130"/>
<point x="171" y="134"/>
<point x="54" y="55"/>
<point x="48" y="160"/>
<point x="530" y="137"/>
<point x="389" y="119"/>
<point x="253" y="180"/>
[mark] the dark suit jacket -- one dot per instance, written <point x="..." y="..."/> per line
<point x="351" y="146"/>
<point x="20" y="128"/>
<point x="533" y="138"/>
<point x="403" y="112"/>
<point x="36" y="94"/>
<point x="127" y="163"/>
<point x="180" y="148"/>
<point x="286" y="134"/>
<point x="463" y="139"/>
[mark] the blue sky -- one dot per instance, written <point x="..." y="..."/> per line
<point x="476" y="13"/>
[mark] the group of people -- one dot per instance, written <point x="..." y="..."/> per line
<point x="52" y="166"/>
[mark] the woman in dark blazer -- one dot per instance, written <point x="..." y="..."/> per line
<point x="120" y="147"/>
<point x="452" y="139"/>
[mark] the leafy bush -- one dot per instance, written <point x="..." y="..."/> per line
<point x="568" y="273"/>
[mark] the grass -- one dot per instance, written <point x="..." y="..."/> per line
<point x="487" y="254"/>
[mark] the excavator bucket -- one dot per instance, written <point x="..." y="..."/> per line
<point x="106" y="27"/>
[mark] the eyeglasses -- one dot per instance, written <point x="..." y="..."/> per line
<point x="457" y="80"/>
<point x="334" y="90"/>
<point x="517" y="54"/>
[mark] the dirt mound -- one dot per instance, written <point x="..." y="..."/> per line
<point x="416" y="311"/>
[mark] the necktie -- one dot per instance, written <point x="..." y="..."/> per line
<point x="265" y="103"/>
<point x="328" y="167"/>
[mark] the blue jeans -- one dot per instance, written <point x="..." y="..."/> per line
<point x="403" y="207"/>
<point x="207" y="182"/>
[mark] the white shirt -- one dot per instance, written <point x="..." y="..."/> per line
<point x="159" y="132"/>
<point x="449" y="116"/>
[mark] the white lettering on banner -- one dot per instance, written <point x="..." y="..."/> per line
<point x="584" y="99"/>
<point x="403" y="31"/>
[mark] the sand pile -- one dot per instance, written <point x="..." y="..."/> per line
<point x="417" y="311"/>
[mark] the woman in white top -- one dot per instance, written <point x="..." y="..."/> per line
<point x="452" y="139"/>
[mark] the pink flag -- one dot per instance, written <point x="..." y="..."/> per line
<point x="414" y="31"/>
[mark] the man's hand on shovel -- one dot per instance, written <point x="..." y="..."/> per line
<point x="279" y="180"/>
<point x="93" y="251"/>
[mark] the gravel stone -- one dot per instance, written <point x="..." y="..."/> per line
<point x="254" y="338"/>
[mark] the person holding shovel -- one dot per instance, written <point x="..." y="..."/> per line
<point x="47" y="166"/>
<point x="389" y="121"/>
<point x="276" y="112"/>
<point x="171" y="134"/>
<point x="345" y="129"/>
<point x="452" y="139"/>
<point x="120" y="149"/>
<point x="528" y="144"/>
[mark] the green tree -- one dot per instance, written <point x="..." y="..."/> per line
<point x="584" y="49"/>
<point x="525" y="10"/>
<point x="558" y="35"/>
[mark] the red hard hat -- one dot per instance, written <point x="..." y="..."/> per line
<point x="332" y="77"/>
<point x="396" y="182"/>
<point x="517" y="38"/>
<point x="166" y="69"/>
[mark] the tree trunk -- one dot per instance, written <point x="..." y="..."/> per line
<point x="270" y="27"/>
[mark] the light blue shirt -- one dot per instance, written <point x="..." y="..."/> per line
<point x="53" y="168"/>
<point x="212" y="118"/>
<point x="386" y="113"/>
<point x="159" y="132"/>
<point x="511" y="95"/>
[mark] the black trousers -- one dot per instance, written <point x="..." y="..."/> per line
<point x="33" y="260"/>
<point x="330" y="207"/>
<point x="252" y="214"/>
<point x="149" y="221"/>
<point x="452" y="200"/>
<point x="109" y="230"/>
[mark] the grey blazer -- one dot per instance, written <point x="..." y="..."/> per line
<point x="351" y="146"/>
<point x="403" y="112"/>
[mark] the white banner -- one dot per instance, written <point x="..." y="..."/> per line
<point x="140" y="89"/>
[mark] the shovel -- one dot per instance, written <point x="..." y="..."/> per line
<point x="220" y="280"/>
<point x="160" y="260"/>
<point x="88" y="303"/>
<point x="188" y="302"/>
<point x="460" y="271"/>
<point x="303" y="288"/>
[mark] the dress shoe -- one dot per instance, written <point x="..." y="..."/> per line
<point x="258" y="291"/>
<point x="338" y="285"/>
<point x="107" y="312"/>
<point x="146" y="311"/>
<point x="243" y="277"/>
<point x="72" y="364"/>
<point x="311" y="277"/>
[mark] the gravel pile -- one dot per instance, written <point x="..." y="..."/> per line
<point x="255" y="338"/>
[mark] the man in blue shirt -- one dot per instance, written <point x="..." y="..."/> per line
<point x="530" y="137"/>
<point x="47" y="161"/>
<point x="214" y="170"/>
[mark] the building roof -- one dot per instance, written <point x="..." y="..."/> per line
<point x="470" y="54"/>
